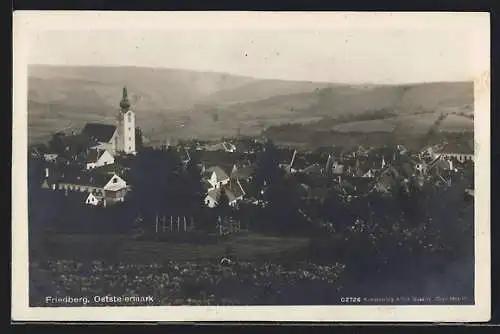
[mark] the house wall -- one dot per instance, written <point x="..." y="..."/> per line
<point x="78" y="187"/>
<point x="210" y="202"/>
<point x="119" y="182"/>
<point x="92" y="200"/>
<point x="235" y="201"/>
<point x="460" y="157"/>
<point x="105" y="159"/>
<point x="50" y="157"/>
<point x="126" y="132"/>
<point x="110" y="146"/>
<point x="217" y="183"/>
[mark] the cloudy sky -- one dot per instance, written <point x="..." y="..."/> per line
<point x="354" y="55"/>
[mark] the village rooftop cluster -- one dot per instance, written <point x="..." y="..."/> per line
<point x="94" y="164"/>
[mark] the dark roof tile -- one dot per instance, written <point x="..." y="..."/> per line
<point x="101" y="132"/>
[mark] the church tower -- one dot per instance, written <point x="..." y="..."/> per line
<point x="126" y="126"/>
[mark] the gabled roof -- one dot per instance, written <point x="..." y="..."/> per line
<point x="386" y="180"/>
<point x="214" y="194"/>
<point x="85" y="178"/>
<point x="228" y="146"/>
<point x="246" y="145"/>
<point x="313" y="169"/>
<point x="407" y="170"/>
<point x="77" y="142"/>
<point x="439" y="163"/>
<point x="357" y="184"/>
<point x="206" y="185"/>
<point x="219" y="173"/>
<point x="243" y="172"/>
<point x="219" y="157"/>
<point x="100" y="132"/>
<point x="234" y="190"/>
<point x="94" y="155"/>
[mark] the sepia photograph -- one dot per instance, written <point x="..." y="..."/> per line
<point x="251" y="166"/>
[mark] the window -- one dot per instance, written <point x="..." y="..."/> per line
<point x="129" y="117"/>
<point x="130" y="148"/>
<point x="115" y="180"/>
<point x="129" y="138"/>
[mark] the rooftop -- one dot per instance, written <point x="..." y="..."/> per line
<point x="100" y="132"/>
<point x="458" y="147"/>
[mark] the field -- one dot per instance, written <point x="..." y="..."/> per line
<point x="112" y="247"/>
<point x="185" y="104"/>
<point x="457" y="123"/>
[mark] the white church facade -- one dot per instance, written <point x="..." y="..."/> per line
<point x="115" y="139"/>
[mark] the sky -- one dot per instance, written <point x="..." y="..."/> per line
<point x="332" y="55"/>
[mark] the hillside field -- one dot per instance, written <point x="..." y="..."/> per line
<point x="188" y="104"/>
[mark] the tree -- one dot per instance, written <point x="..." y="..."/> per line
<point x="195" y="190"/>
<point x="139" y="144"/>
<point x="267" y="166"/>
<point x="56" y="142"/>
<point x="223" y="206"/>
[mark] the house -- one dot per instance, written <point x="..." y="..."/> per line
<point x="92" y="199"/>
<point x="184" y="155"/>
<point x="440" y="164"/>
<point x="98" y="158"/>
<point x="337" y="168"/>
<point x="234" y="192"/>
<point x="222" y="146"/>
<point x="315" y="169"/>
<point x="72" y="147"/>
<point x="243" y="172"/>
<point x="247" y="145"/>
<point x="363" y="168"/>
<point x="112" y="188"/>
<point x="212" y="198"/>
<point x="223" y="159"/>
<point x="355" y="185"/>
<point x="386" y="181"/>
<point x="207" y="186"/>
<point x="115" y="138"/>
<point x="216" y="176"/>
<point x="50" y="157"/>
<point x="105" y="136"/>
<point x="462" y="151"/>
<point x="38" y="150"/>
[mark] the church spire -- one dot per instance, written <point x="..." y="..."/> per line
<point x="124" y="103"/>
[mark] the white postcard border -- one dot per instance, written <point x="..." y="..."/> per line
<point x="29" y="22"/>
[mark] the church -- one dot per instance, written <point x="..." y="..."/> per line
<point x="116" y="139"/>
<point x="83" y="154"/>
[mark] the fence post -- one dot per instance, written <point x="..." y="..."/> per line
<point x="156" y="223"/>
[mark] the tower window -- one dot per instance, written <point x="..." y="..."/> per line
<point x="129" y="117"/>
<point x="130" y="148"/>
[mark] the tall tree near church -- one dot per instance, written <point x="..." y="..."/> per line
<point x="196" y="189"/>
<point x="267" y="164"/>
